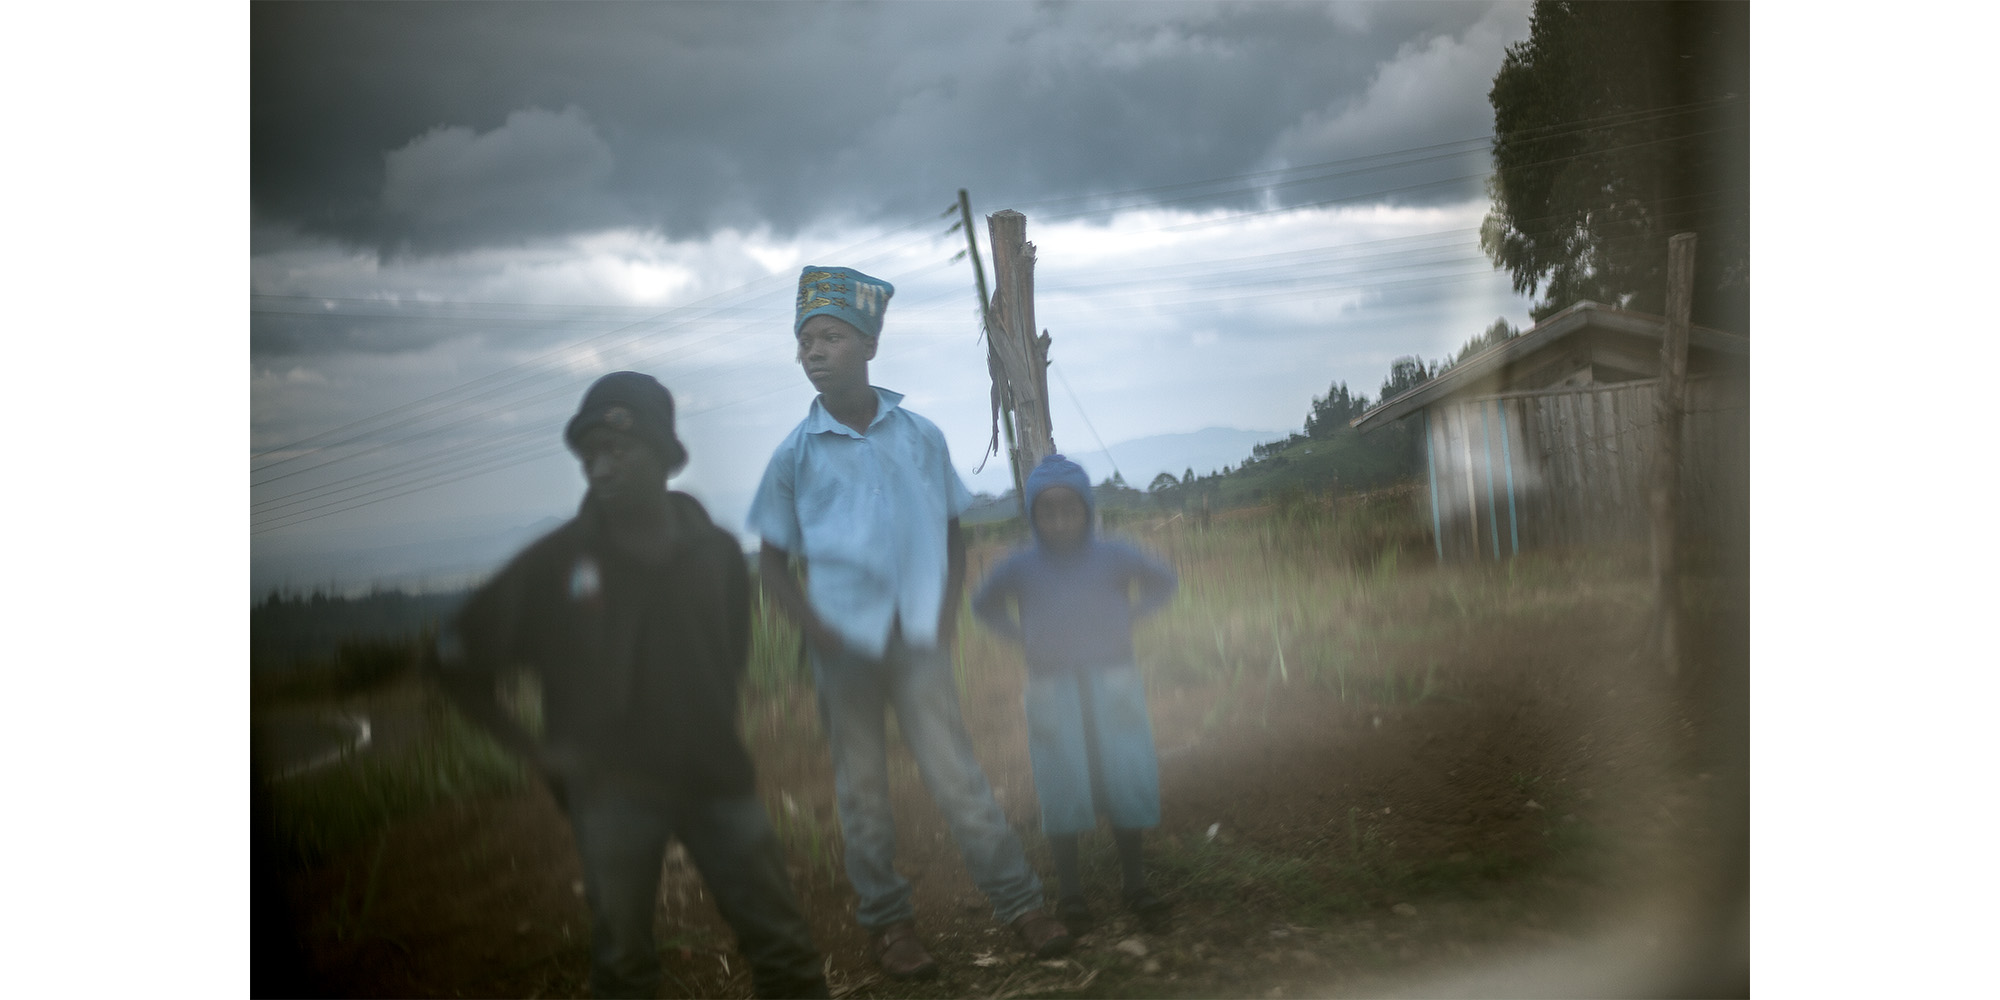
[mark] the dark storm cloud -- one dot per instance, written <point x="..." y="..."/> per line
<point x="538" y="172"/>
<point x="439" y="127"/>
<point x="297" y="325"/>
<point x="282" y="328"/>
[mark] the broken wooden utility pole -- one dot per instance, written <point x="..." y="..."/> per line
<point x="1023" y="357"/>
<point x="1666" y="485"/>
<point x="1001" y="403"/>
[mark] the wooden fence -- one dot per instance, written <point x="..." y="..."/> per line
<point x="1521" y="470"/>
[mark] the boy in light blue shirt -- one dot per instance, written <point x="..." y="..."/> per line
<point x="863" y="494"/>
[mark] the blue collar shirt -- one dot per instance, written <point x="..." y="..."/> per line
<point x="869" y="513"/>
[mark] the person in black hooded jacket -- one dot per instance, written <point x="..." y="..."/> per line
<point x="634" y="616"/>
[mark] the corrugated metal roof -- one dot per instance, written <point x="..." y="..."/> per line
<point x="1472" y="370"/>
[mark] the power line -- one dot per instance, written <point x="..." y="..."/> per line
<point x="1101" y="446"/>
<point x="425" y="471"/>
<point x="472" y="467"/>
<point x="1290" y="274"/>
<point x="1291" y="277"/>
<point x="543" y="362"/>
<point x="1293" y="272"/>
<point x="462" y="419"/>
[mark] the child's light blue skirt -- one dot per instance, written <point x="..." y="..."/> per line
<point x="1070" y="715"/>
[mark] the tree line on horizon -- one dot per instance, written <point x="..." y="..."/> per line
<point x="1355" y="461"/>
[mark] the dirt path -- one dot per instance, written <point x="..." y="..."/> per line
<point x="1553" y="822"/>
<point x="297" y="740"/>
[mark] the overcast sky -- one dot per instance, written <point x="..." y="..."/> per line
<point x="462" y="214"/>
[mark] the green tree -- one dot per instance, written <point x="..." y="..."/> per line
<point x="1332" y="411"/>
<point x="1499" y="331"/>
<point x="1406" y="373"/>
<point x="1617" y="125"/>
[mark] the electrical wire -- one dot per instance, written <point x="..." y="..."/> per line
<point x="1288" y="273"/>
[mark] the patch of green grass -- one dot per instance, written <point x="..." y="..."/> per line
<point x="1298" y="595"/>
<point x="1385" y="564"/>
<point x="326" y="811"/>
<point x="776" y="661"/>
<point x="1318" y="593"/>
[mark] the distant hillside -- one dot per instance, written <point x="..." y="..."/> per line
<point x="1204" y="451"/>
<point x="1141" y="460"/>
<point x="444" y="561"/>
<point x="1262" y="466"/>
<point x="1344" y="462"/>
<point x="288" y="629"/>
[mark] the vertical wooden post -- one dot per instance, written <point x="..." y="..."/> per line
<point x="1667" y="454"/>
<point x="1001" y="403"/>
<point x="1023" y="357"/>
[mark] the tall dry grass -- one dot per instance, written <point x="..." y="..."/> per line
<point x="1343" y="594"/>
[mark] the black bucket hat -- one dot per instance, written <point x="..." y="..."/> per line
<point x="635" y="403"/>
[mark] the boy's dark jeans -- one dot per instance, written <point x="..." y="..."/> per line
<point x="622" y="828"/>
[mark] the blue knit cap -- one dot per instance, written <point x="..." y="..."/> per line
<point x="844" y="294"/>
<point x="1056" y="470"/>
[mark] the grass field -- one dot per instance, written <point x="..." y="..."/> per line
<point x="1357" y="728"/>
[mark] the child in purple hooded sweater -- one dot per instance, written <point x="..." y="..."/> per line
<point x="1089" y="738"/>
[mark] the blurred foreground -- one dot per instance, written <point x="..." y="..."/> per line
<point x="1380" y="777"/>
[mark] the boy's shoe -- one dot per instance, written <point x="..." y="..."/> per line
<point x="896" y="949"/>
<point x="1147" y="903"/>
<point x="1075" y="914"/>
<point x="1042" y="935"/>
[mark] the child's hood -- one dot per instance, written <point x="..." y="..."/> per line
<point x="1055" y="470"/>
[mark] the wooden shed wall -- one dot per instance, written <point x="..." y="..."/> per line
<point x="1514" y="471"/>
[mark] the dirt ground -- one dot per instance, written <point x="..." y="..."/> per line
<point x="1557" y="821"/>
